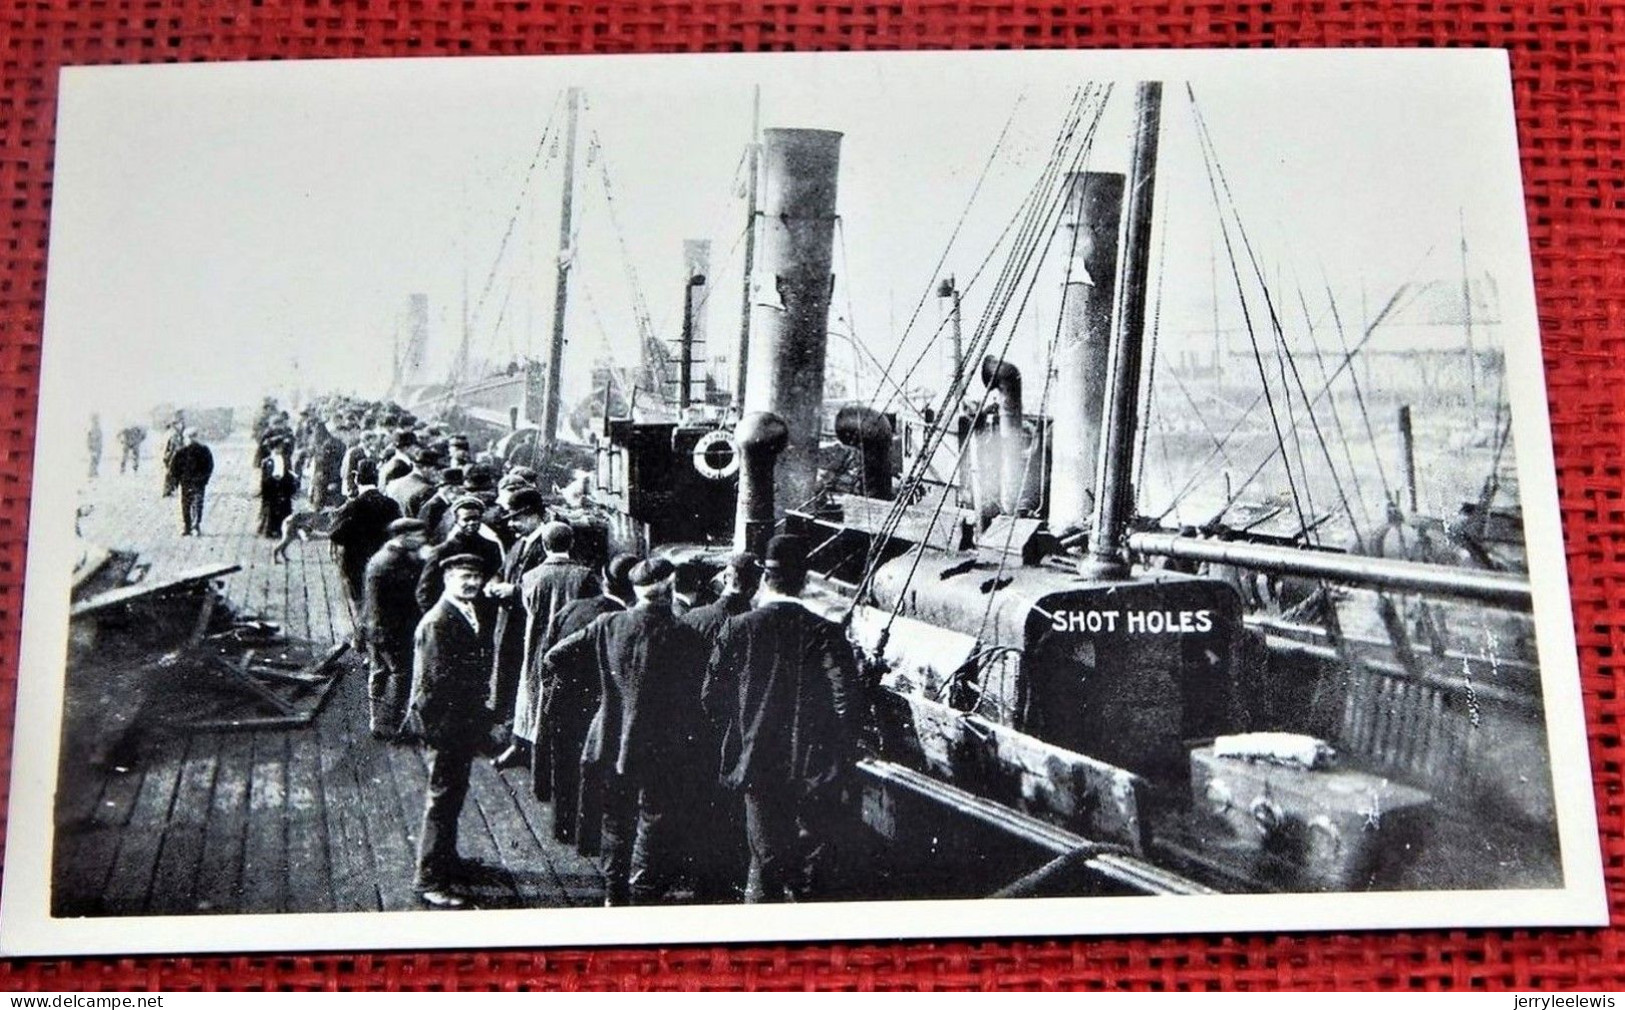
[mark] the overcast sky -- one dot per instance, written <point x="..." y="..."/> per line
<point x="218" y="227"/>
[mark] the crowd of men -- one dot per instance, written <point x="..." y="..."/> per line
<point x="694" y="733"/>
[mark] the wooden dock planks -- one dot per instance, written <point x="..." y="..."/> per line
<point x="323" y="818"/>
<point x="175" y="882"/>
<point x="265" y="844"/>
<point x="220" y="867"/>
<point x="129" y="880"/>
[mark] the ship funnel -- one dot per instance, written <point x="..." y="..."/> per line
<point x="789" y="338"/>
<point x="867" y="430"/>
<point x="761" y="437"/>
<point x="1018" y="490"/>
<point x="1094" y="208"/>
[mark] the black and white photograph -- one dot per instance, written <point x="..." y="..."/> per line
<point x="588" y="499"/>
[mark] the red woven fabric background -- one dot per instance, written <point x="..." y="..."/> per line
<point x="1566" y="62"/>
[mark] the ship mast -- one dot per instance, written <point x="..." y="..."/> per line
<point x="555" y="349"/>
<point x="753" y="154"/>
<point x="1114" y="498"/>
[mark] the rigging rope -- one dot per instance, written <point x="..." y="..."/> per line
<point x="1026" y="245"/>
<point x="640" y="305"/>
<point x="1143" y="432"/>
<point x="1343" y="366"/>
<point x="1284" y="356"/>
<point x="931" y="283"/>
<point x="857" y="342"/>
<point x="1041" y="436"/>
<point x="1349" y="355"/>
<point x="1022" y="214"/>
<point x="1246" y="314"/>
<point x="1201" y="419"/>
<point x="960" y="381"/>
<point x="520" y="204"/>
<point x="1337" y="413"/>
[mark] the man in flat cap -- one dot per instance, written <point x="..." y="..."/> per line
<point x="469" y="535"/>
<point x="570" y="697"/>
<point x="438" y="507"/>
<point x="451" y="664"/>
<point x="649" y="668"/>
<point x="721" y="857"/>
<point x="740" y="578"/>
<point x="388" y="619"/>
<point x="783" y="683"/>
<point x="525" y="516"/>
<point x="687" y="587"/>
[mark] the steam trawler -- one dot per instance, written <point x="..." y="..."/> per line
<point x="1074" y="698"/>
<point x="1276" y="688"/>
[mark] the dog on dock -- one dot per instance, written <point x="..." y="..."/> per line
<point x="304" y="524"/>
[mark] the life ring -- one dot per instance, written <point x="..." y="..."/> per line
<point x="712" y="446"/>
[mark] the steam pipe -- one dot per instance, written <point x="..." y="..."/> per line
<point x="1113" y="498"/>
<point x="867" y="430"/>
<point x="761" y="437"/>
<point x="956" y="336"/>
<point x="1004" y="379"/>
<point x="1407" y="441"/>
<point x="685" y="368"/>
<point x="981" y="464"/>
<point x="1495" y="588"/>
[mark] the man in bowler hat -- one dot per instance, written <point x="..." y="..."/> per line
<point x="784" y="686"/>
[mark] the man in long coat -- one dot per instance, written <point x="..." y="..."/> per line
<point x="174" y="438"/>
<point x="350" y="465"/>
<point x="570" y="696"/>
<point x="129" y="440"/>
<point x="399" y="461"/>
<point x="388" y="619"/>
<point x="452" y="659"/>
<point x="524" y="518"/>
<point x="544" y="590"/>
<point x="721" y="858"/>
<point x="784" y="685"/>
<point x="326" y="467"/>
<point x="438" y="507"/>
<point x="93" y="443"/>
<point x="649" y="668"/>
<point x="360" y="527"/>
